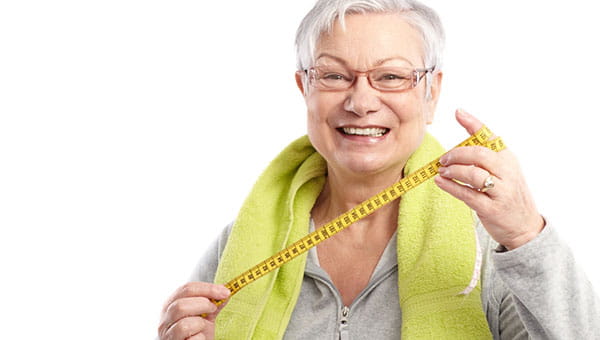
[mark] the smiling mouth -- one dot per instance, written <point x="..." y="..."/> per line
<point x="367" y="132"/>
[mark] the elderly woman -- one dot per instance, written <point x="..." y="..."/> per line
<point x="466" y="256"/>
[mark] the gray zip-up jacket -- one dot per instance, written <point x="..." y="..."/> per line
<point x="533" y="292"/>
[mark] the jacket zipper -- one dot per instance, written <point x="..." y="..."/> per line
<point x="343" y="331"/>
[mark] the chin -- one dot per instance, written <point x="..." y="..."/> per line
<point x="366" y="166"/>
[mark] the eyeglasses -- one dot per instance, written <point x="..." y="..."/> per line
<point x="337" y="78"/>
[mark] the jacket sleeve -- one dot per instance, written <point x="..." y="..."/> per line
<point x="550" y="293"/>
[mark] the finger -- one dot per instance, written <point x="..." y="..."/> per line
<point x="188" y="327"/>
<point x="475" y="200"/>
<point x="186" y="307"/>
<point x="475" y="155"/>
<point x="467" y="174"/>
<point x="199" y="289"/>
<point x="212" y="316"/>
<point x="468" y="121"/>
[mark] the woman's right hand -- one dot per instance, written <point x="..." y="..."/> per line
<point x="181" y="315"/>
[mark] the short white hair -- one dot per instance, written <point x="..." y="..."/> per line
<point x="322" y="16"/>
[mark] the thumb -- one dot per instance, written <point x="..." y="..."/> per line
<point x="469" y="122"/>
<point x="212" y="316"/>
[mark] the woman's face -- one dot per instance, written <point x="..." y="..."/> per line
<point x="346" y="126"/>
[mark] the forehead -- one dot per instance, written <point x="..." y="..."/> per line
<point x="368" y="39"/>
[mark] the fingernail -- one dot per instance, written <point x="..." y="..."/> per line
<point x="224" y="291"/>
<point x="444" y="159"/>
<point x="463" y="113"/>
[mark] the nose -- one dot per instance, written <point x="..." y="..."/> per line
<point x="362" y="98"/>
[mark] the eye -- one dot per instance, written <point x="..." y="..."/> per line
<point x="391" y="76"/>
<point x="334" y="76"/>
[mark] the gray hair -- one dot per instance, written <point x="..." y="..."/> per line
<point x="323" y="15"/>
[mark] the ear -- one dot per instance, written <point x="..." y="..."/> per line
<point x="436" y="87"/>
<point x="300" y="76"/>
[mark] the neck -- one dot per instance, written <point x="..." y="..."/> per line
<point x="342" y="192"/>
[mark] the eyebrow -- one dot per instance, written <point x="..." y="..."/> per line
<point x="377" y="62"/>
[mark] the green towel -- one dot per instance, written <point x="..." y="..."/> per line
<point x="436" y="252"/>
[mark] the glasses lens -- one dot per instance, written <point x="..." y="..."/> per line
<point x="335" y="78"/>
<point x="391" y="78"/>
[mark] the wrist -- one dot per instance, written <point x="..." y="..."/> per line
<point x="528" y="236"/>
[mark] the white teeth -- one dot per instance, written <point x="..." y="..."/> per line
<point x="371" y="132"/>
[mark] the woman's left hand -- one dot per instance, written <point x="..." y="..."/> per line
<point x="507" y="210"/>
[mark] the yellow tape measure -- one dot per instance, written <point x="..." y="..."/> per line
<point x="364" y="209"/>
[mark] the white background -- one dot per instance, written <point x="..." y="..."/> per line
<point x="131" y="131"/>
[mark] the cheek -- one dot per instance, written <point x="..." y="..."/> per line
<point x="411" y="106"/>
<point x="411" y="115"/>
<point x="320" y="108"/>
<point x="315" y="120"/>
<point x="407" y="112"/>
<point x="323" y="102"/>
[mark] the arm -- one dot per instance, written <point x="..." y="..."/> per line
<point x="552" y="296"/>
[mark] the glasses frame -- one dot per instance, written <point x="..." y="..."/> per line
<point x="417" y="75"/>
